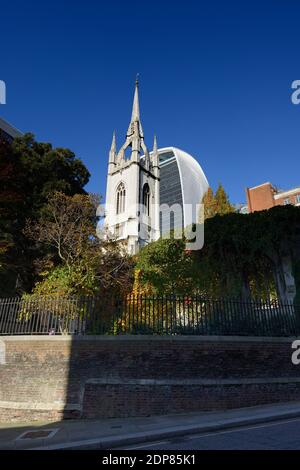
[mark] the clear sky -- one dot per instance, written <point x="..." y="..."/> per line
<point x="215" y="81"/>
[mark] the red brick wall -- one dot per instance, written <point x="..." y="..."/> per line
<point x="280" y="200"/>
<point x="55" y="377"/>
<point x="260" y="197"/>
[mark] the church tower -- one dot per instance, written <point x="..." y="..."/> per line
<point x="132" y="192"/>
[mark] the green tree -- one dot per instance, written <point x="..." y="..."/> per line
<point x="244" y="254"/>
<point x="232" y="257"/>
<point x="166" y="267"/>
<point x="29" y="172"/>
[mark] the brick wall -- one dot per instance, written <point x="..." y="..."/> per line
<point x="280" y="201"/>
<point x="60" y="377"/>
<point x="266" y="196"/>
<point x="260" y="197"/>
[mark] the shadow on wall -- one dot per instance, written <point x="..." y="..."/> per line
<point x="127" y="375"/>
<point x="65" y="377"/>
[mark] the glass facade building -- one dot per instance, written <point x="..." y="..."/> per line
<point x="170" y="193"/>
<point x="8" y="132"/>
<point x="182" y="187"/>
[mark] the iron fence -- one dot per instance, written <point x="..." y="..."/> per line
<point x="137" y="314"/>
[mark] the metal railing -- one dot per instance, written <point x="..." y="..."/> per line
<point x="136" y="314"/>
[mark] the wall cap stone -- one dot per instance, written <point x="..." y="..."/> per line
<point x="151" y="338"/>
<point x="182" y="382"/>
<point x="40" y="406"/>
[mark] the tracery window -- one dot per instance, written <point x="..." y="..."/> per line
<point x="146" y="199"/>
<point x="121" y="194"/>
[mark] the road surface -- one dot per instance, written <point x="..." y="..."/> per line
<point x="280" y="435"/>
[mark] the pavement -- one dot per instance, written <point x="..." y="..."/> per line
<point x="123" y="432"/>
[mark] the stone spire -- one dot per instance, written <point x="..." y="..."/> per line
<point x="155" y="144"/>
<point x="113" y="147"/>
<point x="113" y="150"/>
<point x="135" y="123"/>
<point x="134" y="136"/>
<point x="155" y="157"/>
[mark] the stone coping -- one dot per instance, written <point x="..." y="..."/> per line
<point x="63" y="406"/>
<point x="151" y="338"/>
<point x="40" y="406"/>
<point x="184" y="382"/>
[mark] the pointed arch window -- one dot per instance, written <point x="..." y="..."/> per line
<point x="146" y="199"/>
<point x="121" y="195"/>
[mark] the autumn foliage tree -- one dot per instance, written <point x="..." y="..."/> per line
<point x="223" y="205"/>
<point x="209" y="203"/>
<point x="77" y="261"/>
<point x="217" y="203"/>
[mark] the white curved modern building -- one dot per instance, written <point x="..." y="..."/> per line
<point x="182" y="182"/>
<point x="7" y="131"/>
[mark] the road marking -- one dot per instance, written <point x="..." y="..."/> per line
<point x="145" y="445"/>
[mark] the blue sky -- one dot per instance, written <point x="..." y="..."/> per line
<point x="215" y="80"/>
